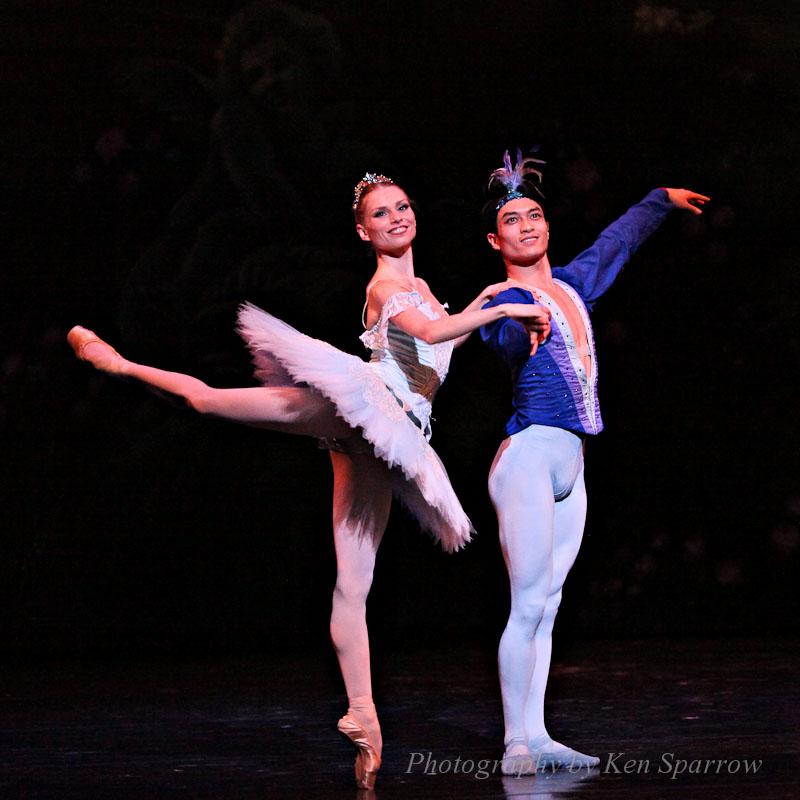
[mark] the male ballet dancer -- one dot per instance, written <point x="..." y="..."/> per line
<point x="536" y="481"/>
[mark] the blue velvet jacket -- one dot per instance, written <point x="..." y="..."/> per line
<point x="552" y="387"/>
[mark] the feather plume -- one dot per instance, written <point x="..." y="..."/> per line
<point x="512" y="177"/>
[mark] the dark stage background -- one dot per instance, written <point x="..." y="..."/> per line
<point x="163" y="162"/>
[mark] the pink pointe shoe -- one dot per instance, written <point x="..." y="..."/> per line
<point x="368" y="762"/>
<point x="79" y="337"/>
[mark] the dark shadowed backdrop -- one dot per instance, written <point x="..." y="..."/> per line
<point x="162" y="163"/>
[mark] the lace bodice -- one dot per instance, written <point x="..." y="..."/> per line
<point x="387" y="340"/>
<point x="408" y="365"/>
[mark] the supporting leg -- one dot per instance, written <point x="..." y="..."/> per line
<point x="569" y="516"/>
<point x="568" y="525"/>
<point x="522" y="493"/>
<point x="361" y="501"/>
<point x="540" y="538"/>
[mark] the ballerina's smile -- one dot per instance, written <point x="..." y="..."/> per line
<point x="388" y="221"/>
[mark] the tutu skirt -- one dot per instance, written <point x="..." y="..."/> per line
<point x="283" y="357"/>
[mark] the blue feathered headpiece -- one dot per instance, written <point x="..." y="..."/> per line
<point x="512" y="177"/>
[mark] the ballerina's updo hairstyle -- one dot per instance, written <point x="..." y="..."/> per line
<point x="358" y="205"/>
<point x="368" y="184"/>
<point x="510" y="183"/>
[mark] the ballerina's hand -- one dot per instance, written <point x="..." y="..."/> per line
<point x="691" y="201"/>
<point x="495" y="288"/>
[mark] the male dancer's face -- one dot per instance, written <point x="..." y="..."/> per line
<point x="522" y="232"/>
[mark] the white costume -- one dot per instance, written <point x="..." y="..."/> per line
<point x="388" y="399"/>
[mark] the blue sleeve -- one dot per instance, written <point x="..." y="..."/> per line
<point x="595" y="269"/>
<point x="507" y="337"/>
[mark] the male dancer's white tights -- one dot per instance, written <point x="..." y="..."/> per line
<point x="537" y="487"/>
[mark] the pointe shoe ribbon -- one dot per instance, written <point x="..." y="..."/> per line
<point x="80" y="337"/>
<point x="368" y="762"/>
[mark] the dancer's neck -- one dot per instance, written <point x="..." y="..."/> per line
<point x="536" y="274"/>
<point x="397" y="267"/>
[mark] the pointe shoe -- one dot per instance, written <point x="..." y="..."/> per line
<point x="519" y="764"/>
<point x="79" y="337"/>
<point x="368" y="762"/>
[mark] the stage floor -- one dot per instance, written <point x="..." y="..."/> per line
<point x="672" y="719"/>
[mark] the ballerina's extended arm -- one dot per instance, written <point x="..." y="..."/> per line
<point x="536" y="319"/>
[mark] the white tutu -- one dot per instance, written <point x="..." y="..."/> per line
<point x="284" y="356"/>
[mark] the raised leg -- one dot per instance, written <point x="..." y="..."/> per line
<point x="289" y="409"/>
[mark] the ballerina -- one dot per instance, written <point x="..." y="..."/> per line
<point x="373" y="416"/>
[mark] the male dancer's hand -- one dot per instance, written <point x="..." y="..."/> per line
<point x="535" y="319"/>
<point x="691" y="201"/>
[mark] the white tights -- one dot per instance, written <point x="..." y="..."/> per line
<point x="362" y="496"/>
<point x="536" y="485"/>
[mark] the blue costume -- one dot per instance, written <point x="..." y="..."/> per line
<point x="536" y="482"/>
<point x="551" y="387"/>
